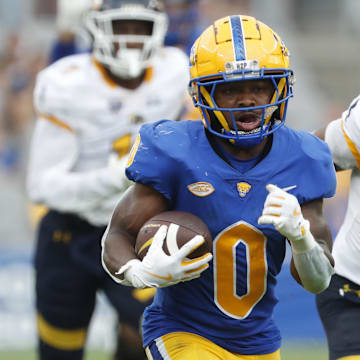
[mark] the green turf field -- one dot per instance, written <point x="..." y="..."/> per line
<point x="303" y="352"/>
<point x="289" y="352"/>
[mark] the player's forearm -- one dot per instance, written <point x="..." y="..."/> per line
<point x="52" y="181"/>
<point x="312" y="251"/>
<point x="312" y="263"/>
<point x="49" y="179"/>
<point x="117" y="250"/>
<point x="72" y="192"/>
<point x="283" y="211"/>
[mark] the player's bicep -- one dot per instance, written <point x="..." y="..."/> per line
<point x="313" y="211"/>
<point x="138" y="204"/>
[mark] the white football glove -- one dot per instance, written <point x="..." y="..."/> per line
<point x="160" y="270"/>
<point x="283" y="210"/>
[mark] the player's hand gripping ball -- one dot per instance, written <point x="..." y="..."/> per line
<point x="182" y="227"/>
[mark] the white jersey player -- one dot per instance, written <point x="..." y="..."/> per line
<point x="90" y="108"/>
<point x="339" y="305"/>
<point x="85" y="121"/>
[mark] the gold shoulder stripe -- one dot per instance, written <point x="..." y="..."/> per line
<point x="351" y="145"/>
<point x="56" y="121"/>
<point x="104" y="74"/>
<point x="149" y="74"/>
<point x="61" y="338"/>
<point x="133" y="151"/>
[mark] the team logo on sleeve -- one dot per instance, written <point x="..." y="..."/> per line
<point x="201" y="188"/>
<point x="243" y="188"/>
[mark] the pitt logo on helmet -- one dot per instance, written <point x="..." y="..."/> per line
<point x="239" y="48"/>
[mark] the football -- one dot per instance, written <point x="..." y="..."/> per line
<point x="188" y="226"/>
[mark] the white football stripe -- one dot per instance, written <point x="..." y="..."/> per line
<point x="171" y="239"/>
<point x="162" y="349"/>
<point x="148" y="353"/>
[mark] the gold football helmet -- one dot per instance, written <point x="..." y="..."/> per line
<point x="237" y="48"/>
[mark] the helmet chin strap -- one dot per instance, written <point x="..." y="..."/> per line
<point x="244" y="143"/>
<point x="129" y="64"/>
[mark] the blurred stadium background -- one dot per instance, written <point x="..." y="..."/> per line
<point x="323" y="37"/>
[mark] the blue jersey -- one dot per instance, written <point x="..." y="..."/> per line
<point x="232" y="302"/>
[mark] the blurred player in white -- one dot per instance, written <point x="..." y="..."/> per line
<point x="339" y="305"/>
<point x="90" y="107"/>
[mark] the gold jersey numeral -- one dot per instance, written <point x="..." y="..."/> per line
<point x="225" y="265"/>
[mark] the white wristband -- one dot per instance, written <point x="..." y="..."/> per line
<point x="306" y="242"/>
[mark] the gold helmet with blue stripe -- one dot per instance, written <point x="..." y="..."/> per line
<point x="237" y="48"/>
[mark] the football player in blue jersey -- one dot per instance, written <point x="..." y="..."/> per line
<point x="263" y="184"/>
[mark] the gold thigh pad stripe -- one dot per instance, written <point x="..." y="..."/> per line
<point x="62" y="339"/>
